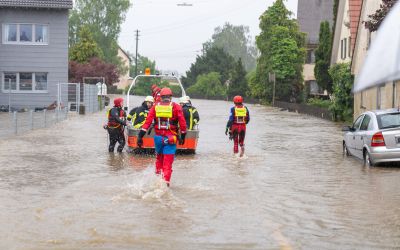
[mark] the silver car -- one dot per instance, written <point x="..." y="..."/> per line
<point x="374" y="137"/>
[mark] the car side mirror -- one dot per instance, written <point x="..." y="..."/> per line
<point x="347" y="129"/>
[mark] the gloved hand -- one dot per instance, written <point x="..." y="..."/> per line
<point x="226" y="131"/>
<point x="182" y="139"/>
<point x="140" y="138"/>
<point x="230" y="136"/>
<point x="105" y="126"/>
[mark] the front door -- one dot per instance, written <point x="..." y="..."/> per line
<point x="351" y="137"/>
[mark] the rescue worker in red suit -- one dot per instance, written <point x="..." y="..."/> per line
<point x="168" y="122"/>
<point x="156" y="93"/>
<point x="115" y="125"/>
<point x="236" y="125"/>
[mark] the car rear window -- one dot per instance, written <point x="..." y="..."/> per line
<point x="390" y="120"/>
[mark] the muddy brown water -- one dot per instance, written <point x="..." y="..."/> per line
<point x="61" y="189"/>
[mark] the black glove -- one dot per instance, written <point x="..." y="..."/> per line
<point x="230" y="136"/>
<point x="140" y="138"/>
<point x="182" y="139"/>
<point x="226" y="130"/>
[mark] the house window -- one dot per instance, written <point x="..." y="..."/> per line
<point x="28" y="34"/>
<point x="381" y="94"/>
<point x="25" y="82"/>
<point x="310" y="56"/>
<point x="10" y="79"/>
<point x="349" y="46"/>
<point x="341" y="49"/>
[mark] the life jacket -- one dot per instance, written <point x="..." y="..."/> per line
<point x="240" y="115"/>
<point x="164" y="114"/>
<point x="112" y="122"/>
<point x="139" y="117"/>
<point x="191" y="121"/>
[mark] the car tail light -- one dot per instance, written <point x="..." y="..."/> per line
<point x="378" y="140"/>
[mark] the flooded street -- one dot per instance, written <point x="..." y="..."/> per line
<point x="61" y="189"/>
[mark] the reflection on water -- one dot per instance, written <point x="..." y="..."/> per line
<point x="61" y="189"/>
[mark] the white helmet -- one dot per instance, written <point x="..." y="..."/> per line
<point x="184" y="99"/>
<point x="149" y="98"/>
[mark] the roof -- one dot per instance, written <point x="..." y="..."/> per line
<point x="310" y="14"/>
<point x="355" y="13"/>
<point x="124" y="52"/>
<point x="46" y="4"/>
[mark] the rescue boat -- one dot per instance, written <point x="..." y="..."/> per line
<point x="191" y="139"/>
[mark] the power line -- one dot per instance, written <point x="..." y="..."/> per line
<point x="178" y="25"/>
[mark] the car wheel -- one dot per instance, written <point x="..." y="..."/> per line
<point x="367" y="159"/>
<point x="345" y="150"/>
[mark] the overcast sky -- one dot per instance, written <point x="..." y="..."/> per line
<point x="173" y="35"/>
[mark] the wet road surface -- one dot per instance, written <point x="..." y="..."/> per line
<point x="61" y="189"/>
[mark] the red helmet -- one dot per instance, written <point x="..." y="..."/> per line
<point x="118" y="102"/>
<point x="166" y="92"/>
<point x="238" y="99"/>
<point x="155" y="88"/>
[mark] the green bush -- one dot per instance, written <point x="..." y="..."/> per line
<point x="342" y="103"/>
<point x="143" y="87"/>
<point x="208" y="86"/>
<point x="317" y="102"/>
<point x="114" y="90"/>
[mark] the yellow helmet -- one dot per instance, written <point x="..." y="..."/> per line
<point x="149" y="99"/>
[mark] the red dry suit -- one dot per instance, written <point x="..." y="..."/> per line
<point x="166" y="116"/>
<point x="238" y="119"/>
<point x="156" y="93"/>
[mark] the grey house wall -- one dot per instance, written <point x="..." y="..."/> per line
<point x="51" y="58"/>
<point x="310" y="14"/>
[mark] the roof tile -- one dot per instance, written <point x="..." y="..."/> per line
<point x="48" y="4"/>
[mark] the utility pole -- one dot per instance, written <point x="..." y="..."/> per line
<point x="272" y="79"/>
<point x="136" y="57"/>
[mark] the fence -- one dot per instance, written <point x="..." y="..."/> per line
<point x="27" y="112"/>
<point x="306" y="109"/>
<point x="14" y="123"/>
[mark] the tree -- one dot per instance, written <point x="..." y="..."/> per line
<point x="236" y="41"/>
<point x="238" y="82"/>
<point x="376" y="19"/>
<point x="207" y="86"/>
<point x="213" y="59"/>
<point x="86" y="48"/>
<point x="323" y="57"/>
<point x="143" y="63"/>
<point x="342" y="103"/>
<point x="94" y="68"/>
<point x="281" y="45"/>
<point x="104" y="19"/>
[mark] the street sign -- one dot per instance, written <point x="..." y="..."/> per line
<point x="147" y="71"/>
<point x="271" y="77"/>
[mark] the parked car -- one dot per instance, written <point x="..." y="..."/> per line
<point x="374" y="137"/>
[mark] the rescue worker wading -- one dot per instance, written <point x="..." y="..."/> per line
<point x="166" y="115"/>
<point x="155" y="90"/>
<point x="138" y="115"/>
<point x="189" y="112"/>
<point x="236" y="125"/>
<point x="115" y="126"/>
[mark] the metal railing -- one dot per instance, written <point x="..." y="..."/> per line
<point x="15" y="123"/>
<point x="23" y="116"/>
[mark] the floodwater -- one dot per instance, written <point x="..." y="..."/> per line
<point x="61" y="189"/>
